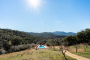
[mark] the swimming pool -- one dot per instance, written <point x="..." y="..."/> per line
<point x="41" y="46"/>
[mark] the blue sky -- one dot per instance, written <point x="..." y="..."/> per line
<point x="50" y="15"/>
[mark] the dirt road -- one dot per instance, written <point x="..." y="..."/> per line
<point x="76" y="56"/>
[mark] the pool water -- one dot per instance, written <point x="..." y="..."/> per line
<point x="41" y="46"/>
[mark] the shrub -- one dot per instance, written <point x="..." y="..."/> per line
<point x="32" y="45"/>
<point x="2" y="51"/>
<point x="20" y="47"/>
<point x="29" y="45"/>
<point x="12" y="49"/>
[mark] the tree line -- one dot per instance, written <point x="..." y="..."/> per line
<point x="81" y="37"/>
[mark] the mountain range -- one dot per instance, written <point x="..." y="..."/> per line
<point x="63" y="33"/>
<point x="52" y="34"/>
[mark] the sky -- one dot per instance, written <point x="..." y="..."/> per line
<point x="45" y="15"/>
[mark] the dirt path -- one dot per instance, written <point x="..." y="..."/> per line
<point x="76" y="56"/>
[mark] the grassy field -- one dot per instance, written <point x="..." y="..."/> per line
<point x="84" y="54"/>
<point x="41" y="54"/>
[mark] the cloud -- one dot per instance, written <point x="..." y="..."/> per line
<point x="57" y="22"/>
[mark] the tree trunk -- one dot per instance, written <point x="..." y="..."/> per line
<point x="76" y="50"/>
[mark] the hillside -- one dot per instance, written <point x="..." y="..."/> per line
<point x="10" y="37"/>
<point x="52" y="34"/>
<point x="13" y="40"/>
<point x="63" y="33"/>
<point x="7" y="34"/>
<point x="46" y="34"/>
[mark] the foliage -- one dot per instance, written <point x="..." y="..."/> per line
<point x="17" y="37"/>
<point x="14" y="40"/>
<point x="21" y="47"/>
<point x="80" y="37"/>
<point x="54" y="41"/>
<point x="77" y="47"/>
<point x="2" y="51"/>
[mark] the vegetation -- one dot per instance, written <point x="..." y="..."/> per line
<point x="63" y="33"/>
<point x="63" y="52"/>
<point x="46" y="35"/>
<point x="80" y="37"/>
<point x="84" y="54"/>
<point x="13" y="40"/>
<point x="54" y="41"/>
<point x="76" y="47"/>
<point x="16" y="40"/>
<point x="41" y="54"/>
<point x="21" y="47"/>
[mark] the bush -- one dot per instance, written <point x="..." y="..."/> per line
<point x="29" y="45"/>
<point x="12" y="49"/>
<point x="32" y="45"/>
<point x="2" y="51"/>
<point x="21" y="47"/>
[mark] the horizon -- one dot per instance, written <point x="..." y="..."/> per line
<point x="40" y="32"/>
<point x="45" y="15"/>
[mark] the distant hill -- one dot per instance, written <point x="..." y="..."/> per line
<point x="45" y="34"/>
<point x="56" y="34"/>
<point x="63" y="33"/>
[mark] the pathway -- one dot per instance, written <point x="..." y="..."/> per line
<point x="76" y="56"/>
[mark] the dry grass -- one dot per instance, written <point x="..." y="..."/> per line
<point x="14" y="53"/>
<point x="70" y="49"/>
<point x="79" y="50"/>
<point x="40" y="54"/>
<point x="83" y="53"/>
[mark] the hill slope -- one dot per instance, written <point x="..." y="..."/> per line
<point x="46" y="34"/>
<point x="52" y="34"/>
<point x="9" y="35"/>
<point x="63" y="33"/>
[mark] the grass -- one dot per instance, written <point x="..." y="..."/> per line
<point x="84" y="54"/>
<point x="80" y="46"/>
<point x="55" y="49"/>
<point x="41" y="54"/>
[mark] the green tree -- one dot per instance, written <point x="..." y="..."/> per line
<point x="6" y="45"/>
<point x="17" y="40"/>
<point x="87" y="35"/>
<point x="70" y="40"/>
<point x="81" y="37"/>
